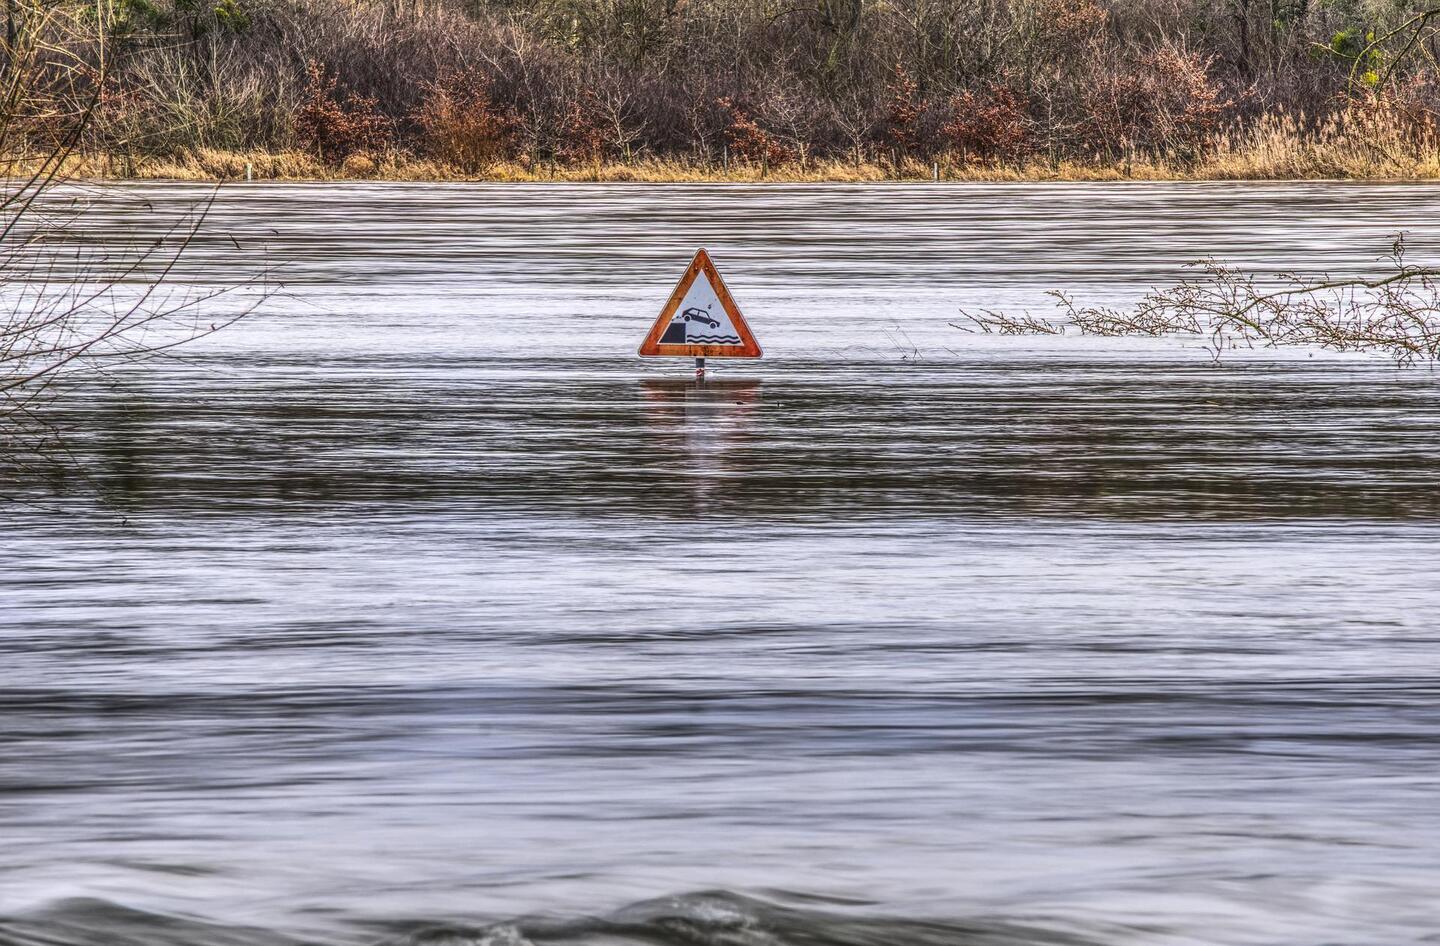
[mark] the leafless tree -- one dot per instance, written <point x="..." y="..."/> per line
<point x="72" y="298"/>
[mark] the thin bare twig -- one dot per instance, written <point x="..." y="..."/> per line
<point x="1397" y="314"/>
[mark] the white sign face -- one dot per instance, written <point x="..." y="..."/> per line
<point x="701" y="319"/>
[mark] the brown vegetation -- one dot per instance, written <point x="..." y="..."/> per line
<point x="335" y="128"/>
<point x="687" y="88"/>
<point x="460" y="126"/>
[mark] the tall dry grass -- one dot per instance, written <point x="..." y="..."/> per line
<point x="1340" y="147"/>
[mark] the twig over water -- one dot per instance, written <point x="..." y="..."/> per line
<point x="1397" y="314"/>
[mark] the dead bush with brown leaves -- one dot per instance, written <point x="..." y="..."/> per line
<point x="993" y="123"/>
<point x="335" y="127"/>
<point x="752" y="144"/>
<point x="460" y="124"/>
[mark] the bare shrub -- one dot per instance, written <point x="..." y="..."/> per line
<point x="72" y="300"/>
<point x="581" y="138"/>
<point x="169" y="105"/>
<point x="1067" y="37"/>
<point x="1397" y="314"/>
<point x="110" y="304"/>
<point x="989" y="322"/>
<point x="1185" y="104"/>
<point x="1165" y="103"/>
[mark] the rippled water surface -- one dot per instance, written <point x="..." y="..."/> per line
<point x="416" y="608"/>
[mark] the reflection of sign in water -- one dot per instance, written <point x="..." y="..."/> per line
<point x="701" y="319"/>
<point x="707" y="422"/>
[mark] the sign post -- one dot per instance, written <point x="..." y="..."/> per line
<point x="701" y="320"/>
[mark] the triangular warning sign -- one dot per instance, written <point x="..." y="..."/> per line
<point x="701" y="320"/>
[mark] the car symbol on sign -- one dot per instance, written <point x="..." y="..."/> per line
<point x="699" y="315"/>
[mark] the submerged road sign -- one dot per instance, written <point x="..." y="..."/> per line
<point x="701" y="320"/>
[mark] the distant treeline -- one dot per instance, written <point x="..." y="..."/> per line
<point x="469" y="83"/>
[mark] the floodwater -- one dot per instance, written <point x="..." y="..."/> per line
<point x="416" y="609"/>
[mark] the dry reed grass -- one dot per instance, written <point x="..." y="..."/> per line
<point x="1346" y="146"/>
<point x="1287" y="161"/>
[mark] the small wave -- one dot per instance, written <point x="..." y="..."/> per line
<point x="92" y="922"/>
<point x="716" y="918"/>
<point x="714" y="339"/>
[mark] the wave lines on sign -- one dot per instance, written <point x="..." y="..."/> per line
<point x="714" y="339"/>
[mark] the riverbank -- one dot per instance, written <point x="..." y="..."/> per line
<point x="1265" y="153"/>
<point x="730" y="91"/>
